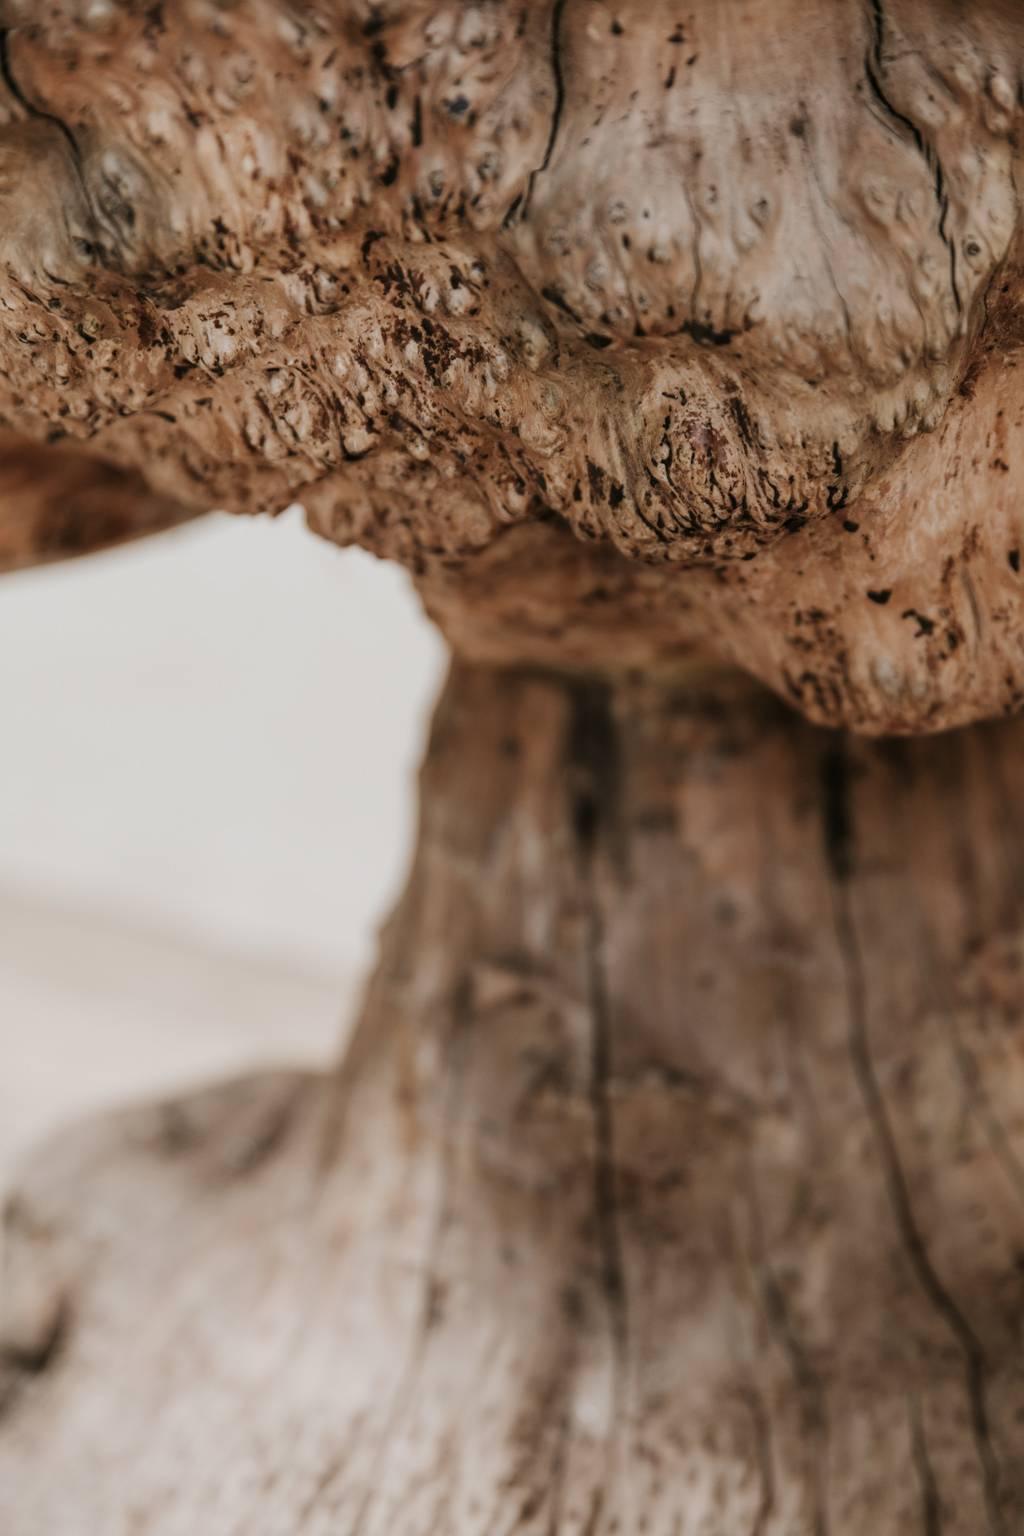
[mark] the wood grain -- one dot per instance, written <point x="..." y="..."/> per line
<point x="674" y="1180"/>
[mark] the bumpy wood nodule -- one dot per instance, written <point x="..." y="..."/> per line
<point x="721" y="298"/>
<point x="674" y="1183"/>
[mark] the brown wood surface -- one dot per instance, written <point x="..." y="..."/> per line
<point x="674" y="1182"/>
<point x="727" y="293"/>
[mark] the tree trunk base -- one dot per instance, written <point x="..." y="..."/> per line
<point x="673" y="1184"/>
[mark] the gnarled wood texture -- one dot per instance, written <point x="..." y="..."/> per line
<point x="674" y="1182"/>
<point x="732" y="289"/>
<point x="674" y="1185"/>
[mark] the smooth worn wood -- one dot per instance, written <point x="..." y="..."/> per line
<point x="674" y="1182"/>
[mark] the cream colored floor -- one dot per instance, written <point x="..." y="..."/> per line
<point x="97" y="1011"/>
<point x="208" y="744"/>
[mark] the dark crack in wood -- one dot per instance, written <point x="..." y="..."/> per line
<point x="837" y="807"/>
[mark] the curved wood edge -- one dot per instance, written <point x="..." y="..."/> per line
<point x="57" y="502"/>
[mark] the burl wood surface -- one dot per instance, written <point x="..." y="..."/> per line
<point x="731" y="290"/>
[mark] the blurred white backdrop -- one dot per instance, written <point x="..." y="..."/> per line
<point x="208" y="745"/>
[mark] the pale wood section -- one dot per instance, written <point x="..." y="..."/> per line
<point x="674" y="1181"/>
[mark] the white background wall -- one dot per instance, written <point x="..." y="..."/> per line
<point x="208" y="744"/>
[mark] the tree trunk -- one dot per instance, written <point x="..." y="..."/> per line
<point x="673" y="1184"/>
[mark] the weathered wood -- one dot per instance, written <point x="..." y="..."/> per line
<point x="674" y="1185"/>
<point x="730" y="291"/>
<point x="674" y="1182"/>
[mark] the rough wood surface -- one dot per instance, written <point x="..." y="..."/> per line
<point x="731" y="288"/>
<point x="674" y="1183"/>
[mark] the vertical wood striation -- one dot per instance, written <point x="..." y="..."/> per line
<point x="672" y="1184"/>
